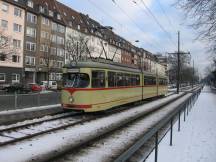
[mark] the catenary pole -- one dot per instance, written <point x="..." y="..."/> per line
<point x="178" y="60"/>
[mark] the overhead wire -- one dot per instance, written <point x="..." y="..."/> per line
<point x="165" y="14"/>
<point x="117" y="21"/>
<point x="133" y="21"/>
<point x="157" y="21"/>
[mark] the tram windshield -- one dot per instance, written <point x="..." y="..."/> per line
<point x="76" y="80"/>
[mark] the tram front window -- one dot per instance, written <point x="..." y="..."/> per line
<point x="76" y="80"/>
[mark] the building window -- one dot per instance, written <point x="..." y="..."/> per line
<point x="18" y="12"/>
<point x="59" y="64"/>
<point x="30" y="60"/>
<point x="17" y="27"/>
<point x="17" y="43"/>
<point x="42" y="61"/>
<point x="50" y="13"/>
<point x="61" y="29"/>
<point x="70" y="23"/>
<point x="30" y="46"/>
<point x="4" y="24"/>
<point x="58" y="17"/>
<point x="60" y="52"/>
<point x="15" y="58"/>
<point x="54" y="26"/>
<point x="78" y="27"/>
<point x="44" y="48"/>
<point x="52" y="76"/>
<point x="15" y="78"/>
<point x="45" y="21"/>
<point x="31" y="18"/>
<point x="30" y="4"/>
<point x="54" y="38"/>
<point x="5" y="7"/>
<point x="55" y="76"/>
<point x="31" y="32"/>
<point x="2" y="77"/>
<point x="53" y="51"/>
<point x="41" y="9"/>
<point x="58" y="76"/>
<point x="60" y="40"/>
<point x="44" y="35"/>
<point x="2" y="57"/>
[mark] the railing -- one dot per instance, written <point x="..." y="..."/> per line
<point x="153" y="132"/>
<point x="19" y="101"/>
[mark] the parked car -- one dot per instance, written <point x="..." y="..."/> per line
<point x="17" y="87"/>
<point x="35" y="87"/>
<point x="52" y="85"/>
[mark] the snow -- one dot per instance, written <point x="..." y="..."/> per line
<point x="106" y="148"/>
<point x="64" y="139"/>
<point x="196" y="142"/>
<point x="32" y="121"/>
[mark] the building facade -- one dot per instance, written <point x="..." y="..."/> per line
<point x="12" y="21"/>
<point x="44" y="41"/>
<point x="40" y="32"/>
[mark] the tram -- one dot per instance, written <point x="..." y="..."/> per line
<point x="94" y="86"/>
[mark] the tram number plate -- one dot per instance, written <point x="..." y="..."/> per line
<point x="73" y="70"/>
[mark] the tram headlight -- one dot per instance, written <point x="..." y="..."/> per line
<point x="71" y="99"/>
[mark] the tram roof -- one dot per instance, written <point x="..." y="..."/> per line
<point x="109" y="65"/>
<point x="92" y="64"/>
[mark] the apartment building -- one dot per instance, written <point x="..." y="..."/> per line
<point x="39" y="32"/>
<point x="12" y="20"/>
<point x="44" y="41"/>
<point x="30" y="43"/>
<point x="76" y="35"/>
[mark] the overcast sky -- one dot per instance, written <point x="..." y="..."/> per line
<point x="156" y="32"/>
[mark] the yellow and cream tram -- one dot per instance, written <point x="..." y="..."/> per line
<point x="94" y="86"/>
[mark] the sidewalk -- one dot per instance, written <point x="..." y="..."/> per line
<point x="196" y="142"/>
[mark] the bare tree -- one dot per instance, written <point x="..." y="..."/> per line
<point x="203" y="16"/>
<point x="77" y="48"/>
<point x="7" y="48"/>
<point x="173" y="66"/>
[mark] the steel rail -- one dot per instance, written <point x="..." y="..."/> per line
<point x="18" y="128"/>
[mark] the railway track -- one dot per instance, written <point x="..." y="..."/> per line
<point x="31" y="128"/>
<point x="91" y="128"/>
<point x="109" y="146"/>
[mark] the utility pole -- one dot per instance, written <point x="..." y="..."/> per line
<point x="193" y="76"/>
<point x="178" y="63"/>
<point x="178" y="60"/>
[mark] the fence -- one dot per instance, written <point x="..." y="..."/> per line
<point x="19" y="101"/>
<point x="184" y="108"/>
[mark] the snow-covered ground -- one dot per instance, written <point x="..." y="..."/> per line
<point x="197" y="140"/>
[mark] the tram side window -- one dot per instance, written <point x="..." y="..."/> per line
<point x="98" y="79"/>
<point x="149" y="80"/>
<point x="133" y="80"/>
<point x="111" y="79"/>
<point x="120" y="80"/>
<point x="162" y="82"/>
<point x="137" y="80"/>
<point x="154" y="81"/>
<point x="127" y="80"/>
